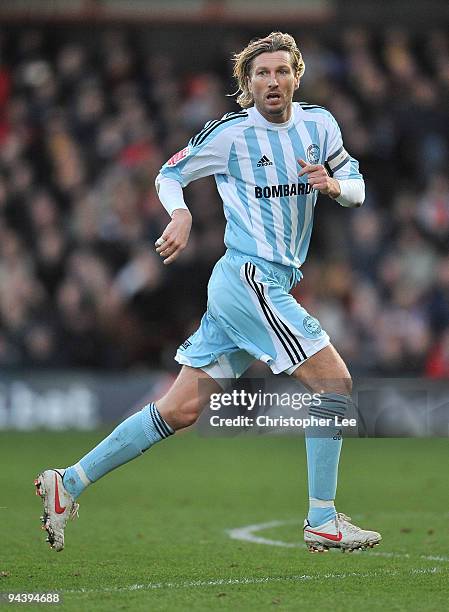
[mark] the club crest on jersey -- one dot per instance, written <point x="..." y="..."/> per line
<point x="312" y="325"/>
<point x="313" y="154"/>
<point x="177" y="157"/>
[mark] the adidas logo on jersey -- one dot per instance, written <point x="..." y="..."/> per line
<point x="264" y="161"/>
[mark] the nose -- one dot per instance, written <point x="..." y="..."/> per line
<point x="273" y="80"/>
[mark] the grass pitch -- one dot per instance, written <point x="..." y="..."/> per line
<point x="154" y="534"/>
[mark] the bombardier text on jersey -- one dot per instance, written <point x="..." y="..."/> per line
<point x="279" y="191"/>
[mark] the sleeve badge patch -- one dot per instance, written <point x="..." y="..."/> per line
<point x="177" y="157"/>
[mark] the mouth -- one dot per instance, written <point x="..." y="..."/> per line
<point x="273" y="97"/>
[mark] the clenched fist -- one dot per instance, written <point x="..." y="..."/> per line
<point x="175" y="236"/>
<point x="319" y="179"/>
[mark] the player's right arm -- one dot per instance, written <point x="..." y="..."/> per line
<point x="187" y="165"/>
<point x="207" y="153"/>
<point x="175" y="236"/>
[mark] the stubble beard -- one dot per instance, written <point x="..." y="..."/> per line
<point x="278" y="112"/>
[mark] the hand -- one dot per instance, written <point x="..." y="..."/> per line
<point x="320" y="179"/>
<point x="175" y="236"/>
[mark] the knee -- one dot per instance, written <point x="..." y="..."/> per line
<point x="341" y="386"/>
<point x="181" y="414"/>
<point x="186" y="416"/>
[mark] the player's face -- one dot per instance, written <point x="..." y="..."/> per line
<point x="272" y="83"/>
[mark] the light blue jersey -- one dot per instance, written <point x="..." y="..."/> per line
<point x="268" y="209"/>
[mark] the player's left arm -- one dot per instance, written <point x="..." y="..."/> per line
<point x="349" y="192"/>
<point x="319" y="179"/>
<point x="339" y="177"/>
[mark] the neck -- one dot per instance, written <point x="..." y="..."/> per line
<point x="281" y="117"/>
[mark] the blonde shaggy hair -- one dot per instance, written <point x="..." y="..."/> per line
<point x="276" y="41"/>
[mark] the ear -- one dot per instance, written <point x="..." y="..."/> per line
<point x="297" y="81"/>
<point x="248" y="80"/>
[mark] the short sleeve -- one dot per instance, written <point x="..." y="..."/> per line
<point x="339" y="163"/>
<point x="207" y="152"/>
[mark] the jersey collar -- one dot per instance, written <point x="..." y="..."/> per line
<point x="260" y="120"/>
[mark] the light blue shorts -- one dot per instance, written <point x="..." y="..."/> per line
<point x="251" y="315"/>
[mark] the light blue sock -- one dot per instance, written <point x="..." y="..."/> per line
<point x="129" y="440"/>
<point x="323" y="446"/>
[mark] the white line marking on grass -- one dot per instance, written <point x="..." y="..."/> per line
<point x="256" y="580"/>
<point x="439" y="558"/>
<point x="247" y="534"/>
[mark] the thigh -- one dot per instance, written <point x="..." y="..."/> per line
<point x="325" y="372"/>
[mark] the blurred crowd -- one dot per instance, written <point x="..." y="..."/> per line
<point x="86" y="123"/>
